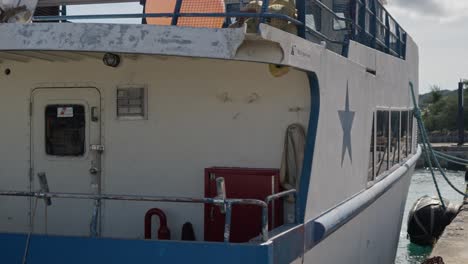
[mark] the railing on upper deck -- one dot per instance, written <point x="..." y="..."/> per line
<point x="333" y="21"/>
<point x="382" y="32"/>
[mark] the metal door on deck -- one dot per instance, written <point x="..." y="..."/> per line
<point x="65" y="137"/>
<point x="246" y="220"/>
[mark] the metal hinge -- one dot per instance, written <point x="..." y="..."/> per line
<point x="97" y="147"/>
<point x="30" y="174"/>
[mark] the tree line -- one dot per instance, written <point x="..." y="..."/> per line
<point x="440" y="109"/>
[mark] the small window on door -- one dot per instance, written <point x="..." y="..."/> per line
<point x="65" y="130"/>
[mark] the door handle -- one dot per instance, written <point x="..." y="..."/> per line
<point x="97" y="147"/>
<point x="93" y="170"/>
<point x="94" y="114"/>
<point x="44" y="186"/>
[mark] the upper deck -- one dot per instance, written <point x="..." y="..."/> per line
<point x="335" y="22"/>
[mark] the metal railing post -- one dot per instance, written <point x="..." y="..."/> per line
<point x="265" y="223"/>
<point x="176" y="15"/>
<point x="263" y="10"/>
<point x="265" y="210"/>
<point x="301" y="15"/>
<point x="387" y="32"/>
<point x="227" y="222"/>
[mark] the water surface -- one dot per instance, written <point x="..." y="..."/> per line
<point x="422" y="184"/>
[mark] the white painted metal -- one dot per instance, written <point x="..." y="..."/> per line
<point x="199" y="116"/>
<point x="217" y="114"/>
<point x="65" y="173"/>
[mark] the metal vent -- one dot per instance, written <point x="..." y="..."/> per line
<point x="131" y="103"/>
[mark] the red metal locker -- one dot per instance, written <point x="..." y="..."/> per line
<point x="245" y="219"/>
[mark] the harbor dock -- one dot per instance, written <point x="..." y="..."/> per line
<point x="451" y="149"/>
<point x="452" y="245"/>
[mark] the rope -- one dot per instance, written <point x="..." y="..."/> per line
<point x="450" y="157"/>
<point x="429" y="151"/>
<point x="31" y="230"/>
<point x="451" y="160"/>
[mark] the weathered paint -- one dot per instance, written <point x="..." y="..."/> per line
<point x="118" y="38"/>
<point x="167" y="138"/>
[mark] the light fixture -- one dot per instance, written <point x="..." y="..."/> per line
<point x="111" y="60"/>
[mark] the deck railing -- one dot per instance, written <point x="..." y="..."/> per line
<point x="227" y="203"/>
<point x="366" y="21"/>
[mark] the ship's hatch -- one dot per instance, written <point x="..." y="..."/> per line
<point x="65" y="123"/>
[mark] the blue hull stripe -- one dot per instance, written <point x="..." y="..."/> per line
<point x="310" y="145"/>
<point x="70" y="250"/>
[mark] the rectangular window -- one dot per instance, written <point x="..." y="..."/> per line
<point x="410" y="131"/>
<point x="131" y="103"/>
<point x="313" y="16"/>
<point x="382" y="143"/>
<point x="339" y="24"/>
<point x="371" y="157"/>
<point x="369" y="5"/>
<point x="395" y="138"/>
<point x="65" y="130"/>
<point x="341" y="9"/>
<point x="404" y="135"/>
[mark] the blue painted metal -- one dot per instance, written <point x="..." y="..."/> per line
<point x="310" y="145"/>
<point x="345" y="49"/>
<point x="138" y="15"/>
<point x="373" y="25"/>
<point x="70" y="250"/>
<point x="301" y="16"/>
<point x="176" y="15"/>
<point x="289" y="245"/>
<point x="387" y="32"/>
<point x="365" y="31"/>
<point x="264" y="10"/>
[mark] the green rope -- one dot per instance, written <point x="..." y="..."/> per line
<point x="450" y="157"/>
<point x="429" y="151"/>
<point x="451" y="160"/>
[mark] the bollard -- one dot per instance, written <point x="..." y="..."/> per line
<point x="460" y="116"/>
<point x="466" y="182"/>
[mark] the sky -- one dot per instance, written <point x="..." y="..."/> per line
<point x="439" y="27"/>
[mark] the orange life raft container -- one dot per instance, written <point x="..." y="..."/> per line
<point x="188" y="6"/>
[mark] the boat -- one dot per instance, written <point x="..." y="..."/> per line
<point x="224" y="131"/>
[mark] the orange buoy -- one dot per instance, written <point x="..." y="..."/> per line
<point x="188" y="6"/>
